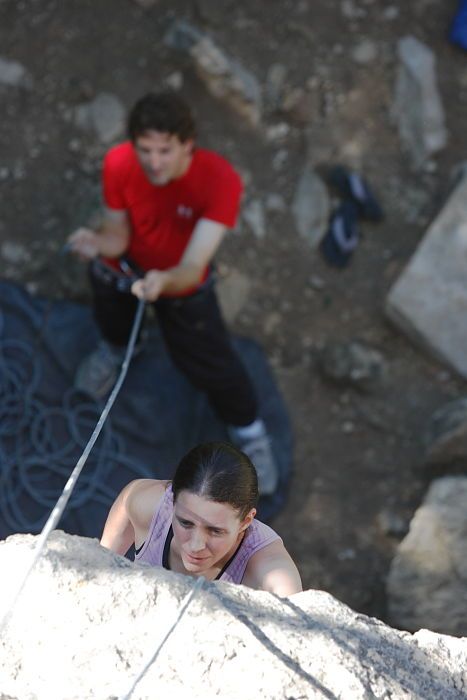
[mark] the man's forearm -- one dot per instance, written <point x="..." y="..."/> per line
<point x="112" y="240"/>
<point x="181" y="277"/>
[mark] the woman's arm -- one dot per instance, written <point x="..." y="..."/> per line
<point x="273" y="569"/>
<point x="129" y="518"/>
<point x="119" y="533"/>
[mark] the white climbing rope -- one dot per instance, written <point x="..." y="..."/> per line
<point x="184" y="605"/>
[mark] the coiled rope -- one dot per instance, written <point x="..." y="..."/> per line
<point x="23" y="409"/>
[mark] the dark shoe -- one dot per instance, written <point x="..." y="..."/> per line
<point x="342" y="236"/>
<point x="352" y="186"/>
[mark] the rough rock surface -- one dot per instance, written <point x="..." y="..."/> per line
<point x="430" y="296"/>
<point x="418" y="107"/>
<point x="101" y="618"/>
<point x="427" y="583"/>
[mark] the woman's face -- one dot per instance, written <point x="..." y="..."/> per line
<point x="206" y="532"/>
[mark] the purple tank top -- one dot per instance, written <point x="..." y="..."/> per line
<point x="257" y="536"/>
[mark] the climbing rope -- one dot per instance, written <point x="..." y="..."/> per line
<point x="184" y="605"/>
<point x="16" y="377"/>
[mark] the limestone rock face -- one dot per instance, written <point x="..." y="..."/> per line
<point x="427" y="583"/>
<point x="88" y="621"/>
<point x="429" y="299"/>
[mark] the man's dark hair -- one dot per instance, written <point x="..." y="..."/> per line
<point x="219" y="472"/>
<point x="165" y="112"/>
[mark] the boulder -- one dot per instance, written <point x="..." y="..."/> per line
<point x="427" y="582"/>
<point x="429" y="299"/>
<point x="222" y="74"/>
<point x="417" y="106"/>
<point x="89" y="623"/>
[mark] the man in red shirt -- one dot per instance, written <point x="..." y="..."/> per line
<point x="168" y="205"/>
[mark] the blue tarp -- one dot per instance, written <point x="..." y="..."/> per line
<point x="45" y="423"/>
<point x="458" y="30"/>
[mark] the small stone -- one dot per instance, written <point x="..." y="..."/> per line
<point x="19" y="171"/>
<point x="365" y="52"/>
<point x="32" y="288"/>
<point x="275" y="203"/>
<point x="271" y="322"/>
<point x="353" y="364"/>
<point x="253" y="214"/>
<point x="431" y="166"/>
<point x="14" y="253"/>
<point x="316" y="282"/>
<point x="390" y="13"/>
<point x="275" y="81"/>
<point x="14" y="74"/>
<point x="350" y="10"/>
<point x="348" y="427"/>
<point x="234" y="290"/>
<point x="279" y="159"/>
<point x="175" y="80"/>
<point x="74" y="145"/>
<point x="105" y="116"/>
<point x="276" y="132"/>
<point x="346" y="554"/>
<point x="310" y="207"/>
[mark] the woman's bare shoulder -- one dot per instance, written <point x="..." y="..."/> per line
<point x="273" y="569"/>
<point x="143" y="498"/>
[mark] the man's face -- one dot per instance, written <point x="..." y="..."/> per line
<point x="163" y="156"/>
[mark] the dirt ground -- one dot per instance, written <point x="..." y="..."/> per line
<point x="358" y="458"/>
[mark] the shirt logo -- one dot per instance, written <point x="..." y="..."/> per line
<point x="184" y="212"/>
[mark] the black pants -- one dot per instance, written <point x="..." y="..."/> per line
<point x="197" y="340"/>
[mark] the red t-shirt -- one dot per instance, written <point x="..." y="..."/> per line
<point x="163" y="217"/>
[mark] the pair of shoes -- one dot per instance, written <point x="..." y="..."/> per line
<point x="342" y="236"/>
<point x="98" y="372"/>
<point x="352" y="186"/>
<point x="259" y="450"/>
